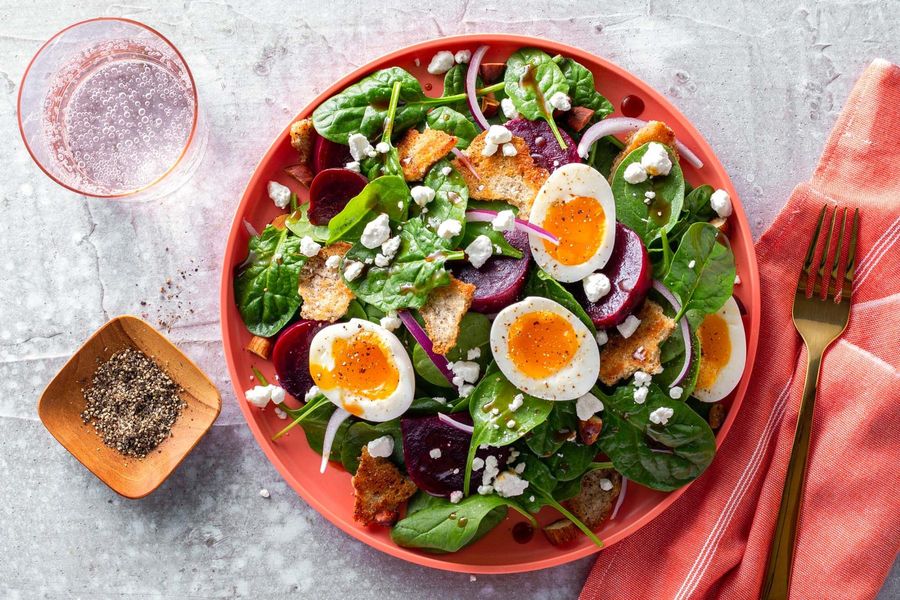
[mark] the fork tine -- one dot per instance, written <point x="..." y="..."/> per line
<point x="850" y="271"/>
<point x="804" y="274"/>
<point x="822" y="282"/>
<point x="834" y="286"/>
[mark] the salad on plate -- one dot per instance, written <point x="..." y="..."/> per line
<point x="491" y="303"/>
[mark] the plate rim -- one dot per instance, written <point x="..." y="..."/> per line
<point x="700" y="145"/>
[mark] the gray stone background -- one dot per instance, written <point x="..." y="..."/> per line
<point x="762" y="80"/>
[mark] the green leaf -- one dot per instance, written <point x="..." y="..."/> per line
<point x="571" y="460"/>
<point x="672" y="367"/>
<point x="542" y="284"/>
<point x="474" y="332"/>
<point x="438" y="525"/>
<point x="664" y="209"/>
<point x="298" y="223"/>
<point x="314" y="424"/>
<point x="604" y="153"/>
<point x="388" y="194"/>
<point x="661" y="457"/>
<point x="265" y="289"/>
<point x="531" y="79"/>
<point x="451" y="195"/>
<point x="702" y="270"/>
<point x="583" y="91"/>
<point x="549" y="436"/>
<point x="473" y="230"/>
<point x="696" y="209"/>
<point x="361" y="433"/>
<point x="448" y="120"/>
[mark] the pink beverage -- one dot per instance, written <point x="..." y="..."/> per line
<point x="116" y="114"/>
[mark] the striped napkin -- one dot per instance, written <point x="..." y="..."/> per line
<point x="714" y="541"/>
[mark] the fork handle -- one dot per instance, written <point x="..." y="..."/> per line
<point x="777" y="579"/>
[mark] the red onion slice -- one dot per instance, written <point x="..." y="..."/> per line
<point x="471" y="91"/>
<point x="337" y="417"/>
<point x="685" y="331"/>
<point x="454" y="423"/>
<point x="423" y="340"/>
<point x="250" y="229"/>
<point x="481" y="215"/>
<point x="624" y="125"/>
<point x="620" y="499"/>
<point x="465" y="162"/>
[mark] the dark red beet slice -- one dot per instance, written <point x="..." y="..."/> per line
<point x="291" y="357"/>
<point x="329" y="155"/>
<point x="499" y="280"/>
<point x="443" y="475"/>
<point x="545" y="149"/>
<point x="629" y="271"/>
<point x="330" y="192"/>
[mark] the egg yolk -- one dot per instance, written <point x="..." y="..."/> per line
<point x="363" y="367"/>
<point x="579" y="224"/>
<point x="715" y="349"/>
<point x="541" y="343"/>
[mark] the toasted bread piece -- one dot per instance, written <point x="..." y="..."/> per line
<point x="513" y="179"/>
<point x="561" y="532"/>
<point x="444" y="311"/>
<point x="419" y="151"/>
<point x="380" y="490"/>
<point x="620" y="357"/>
<point x="302" y="137"/>
<point x="654" y="131"/>
<point x="593" y="505"/>
<point x="325" y="295"/>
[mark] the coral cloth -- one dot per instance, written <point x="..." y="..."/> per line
<point x="713" y="542"/>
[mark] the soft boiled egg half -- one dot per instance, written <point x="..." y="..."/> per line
<point x="545" y="350"/>
<point x="576" y="205"/>
<point x="723" y="353"/>
<point x="362" y="368"/>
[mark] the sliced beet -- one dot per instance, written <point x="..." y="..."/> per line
<point x="329" y="155"/>
<point x="291" y="357"/>
<point x="443" y="475"/>
<point x="330" y="192"/>
<point x="629" y="271"/>
<point x="545" y="149"/>
<point x="499" y="280"/>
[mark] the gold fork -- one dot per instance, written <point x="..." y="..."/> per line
<point x="819" y="322"/>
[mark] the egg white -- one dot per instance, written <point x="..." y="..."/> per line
<point x="573" y="380"/>
<point x="729" y="376"/>
<point x="565" y="183"/>
<point x="382" y="409"/>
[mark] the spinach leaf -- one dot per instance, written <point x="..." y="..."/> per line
<point x="541" y="284"/>
<point x="474" y="332"/>
<point x="361" y="433"/>
<point x="582" y="89"/>
<point x="490" y="427"/>
<point x="672" y="367"/>
<point x="661" y="457"/>
<point x="549" y="436"/>
<point x="696" y="209"/>
<point x="363" y="106"/>
<point x="427" y="406"/>
<point x="388" y="194"/>
<point x="702" y="271"/>
<point x="315" y="422"/>
<point x="571" y="460"/>
<point x="604" y="153"/>
<point x="299" y="225"/>
<point x="355" y="310"/>
<point x="417" y="269"/>
<point x="265" y="289"/>
<point x="448" y="120"/>
<point x="494" y="205"/>
<point x="451" y="194"/>
<point x="531" y="79"/>
<point x="473" y="230"/>
<point x="438" y="525"/>
<point x="662" y="212"/>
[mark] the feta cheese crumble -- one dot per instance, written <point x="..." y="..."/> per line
<point x="509" y="149"/>
<point x="477" y="463"/>
<point x="455" y="497"/>
<point x="462" y="56"/>
<point x="279" y="194"/>
<point x="606" y="485"/>
<point x="602" y="337"/>
<point x="264" y="493"/>
<point x="479" y="250"/>
<point x="333" y="261"/>
<point x="596" y="285"/>
<point x="661" y="415"/>
<point x="422" y="194"/>
<point x="504" y="221"/>
<point x="441" y="62"/>
<point x="498" y="134"/>
<point x="517" y="402"/>
<point x="376" y="232"/>
<point x="390" y="247"/>
<point x="381" y="447"/>
<point x="511" y="424"/>
<point x="353" y="165"/>
<point x="509" y="484"/>
<point x="390" y="321"/>
<point x="629" y="326"/>
<point x="640" y="395"/>
<point x="642" y="379"/>
<point x="352" y="269"/>
<point x="473" y="353"/>
<point x="720" y="202"/>
<point x="635" y="173"/>
<point x="311" y="393"/>
<point x="260" y="395"/>
<point x="359" y="146"/>
<point x="560" y="101"/>
<point x="446" y="171"/>
<point x="675" y="392"/>
<point x="692" y="264"/>
<point x="509" y="109"/>
<point x="435" y="453"/>
<point x="449" y="229"/>
<point x="309" y="247"/>
<point x="656" y="160"/>
<point x="587" y="406"/>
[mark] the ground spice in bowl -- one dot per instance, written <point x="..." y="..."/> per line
<point x="132" y="403"/>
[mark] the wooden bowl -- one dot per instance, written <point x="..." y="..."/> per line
<point x="62" y="403"/>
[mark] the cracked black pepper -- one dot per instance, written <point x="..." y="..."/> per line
<point x="132" y="403"/>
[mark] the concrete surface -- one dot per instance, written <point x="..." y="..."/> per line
<point x="762" y="80"/>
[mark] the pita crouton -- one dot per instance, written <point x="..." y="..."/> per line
<point x="593" y="505"/>
<point x="419" y="151"/>
<point x="513" y="179"/>
<point x="654" y="131"/>
<point x="380" y="491"/>
<point x="444" y="311"/>
<point x="302" y="138"/>
<point x="620" y="357"/>
<point x="325" y="295"/>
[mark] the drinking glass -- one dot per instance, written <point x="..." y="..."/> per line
<point x="108" y="108"/>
